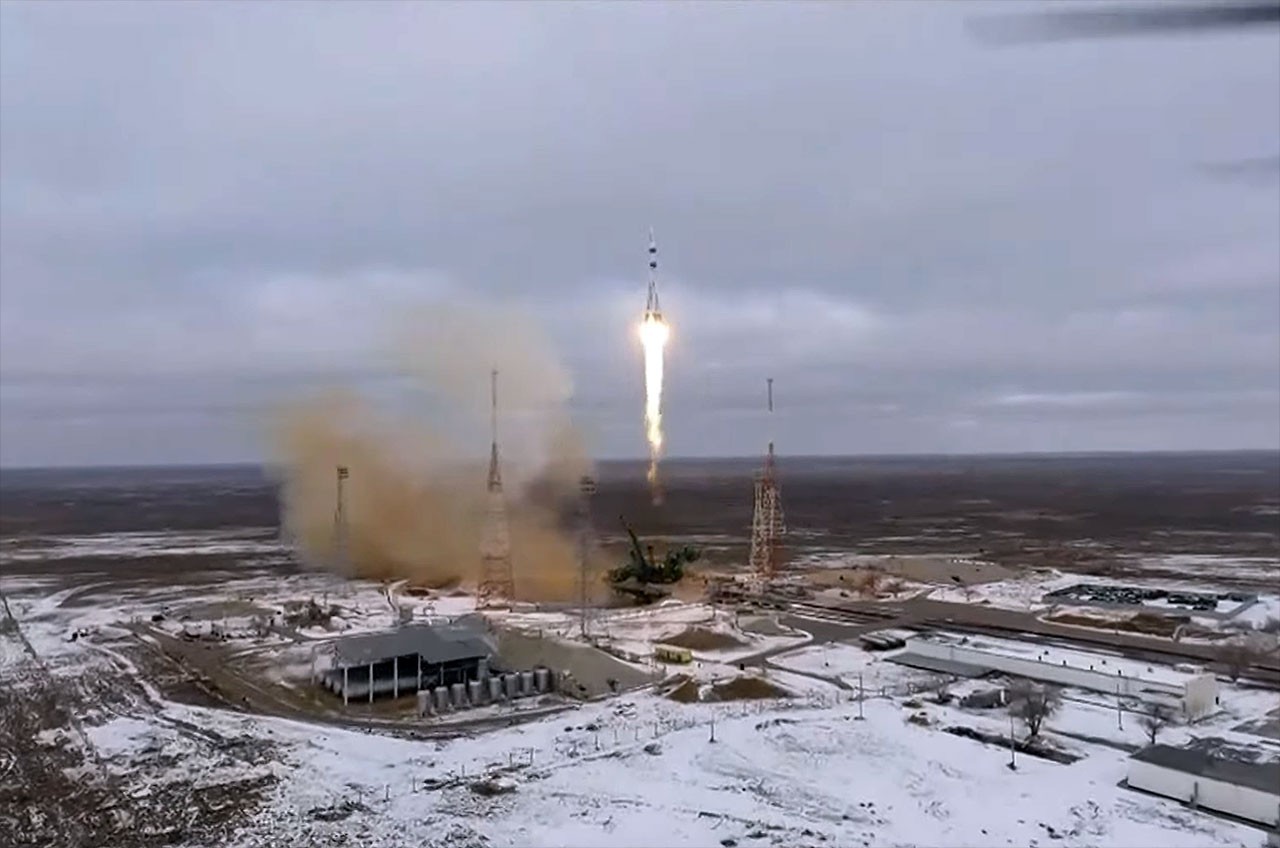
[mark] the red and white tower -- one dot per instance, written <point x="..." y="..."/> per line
<point x="497" y="580"/>
<point x="767" y="526"/>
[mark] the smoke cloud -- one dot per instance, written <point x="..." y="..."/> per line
<point x="416" y="495"/>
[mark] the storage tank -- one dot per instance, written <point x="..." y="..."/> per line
<point x="475" y="692"/>
<point x="542" y="679"/>
<point x="495" y="688"/>
<point x="425" y="706"/>
<point x="526" y="683"/>
<point x="458" y="694"/>
<point x="511" y="684"/>
<point x="441" y="696"/>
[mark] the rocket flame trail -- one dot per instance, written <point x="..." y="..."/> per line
<point x="654" y="333"/>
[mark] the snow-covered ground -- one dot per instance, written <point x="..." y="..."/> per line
<point x="1205" y="568"/>
<point x="851" y="665"/>
<point x="1027" y="593"/>
<point x="798" y="772"/>
<point x="806" y="775"/>
<point x="1023" y="593"/>
<point x="239" y="541"/>
<point x="1083" y="712"/>
<point x="1264" y="612"/>
<point x="631" y="771"/>
<point x="634" y="631"/>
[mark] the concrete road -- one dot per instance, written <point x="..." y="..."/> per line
<point x="995" y="620"/>
<point x="823" y="631"/>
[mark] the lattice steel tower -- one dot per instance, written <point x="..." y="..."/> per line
<point x="497" y="581"/>
<point x="767" y="526"/>
<point x="341" y="538"/>
<point x="586" y="539"/>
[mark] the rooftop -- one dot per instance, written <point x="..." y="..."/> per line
<point x="1071" y="657"/>
<point x="935" y="664"/>
<point x="434" y="643"/>
<point x="1264" y="776"/>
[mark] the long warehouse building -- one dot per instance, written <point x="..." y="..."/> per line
<point x="1214" y="780"/>
<point x="1190" y="689"/>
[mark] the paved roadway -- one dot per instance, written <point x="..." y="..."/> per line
<point x="994" y="620"/>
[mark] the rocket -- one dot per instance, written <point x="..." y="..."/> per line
<point x="651" y="307"/>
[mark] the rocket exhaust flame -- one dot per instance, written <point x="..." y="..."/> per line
<point x="654" y="333"/>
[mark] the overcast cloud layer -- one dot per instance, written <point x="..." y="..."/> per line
<point x="933" y="246"/>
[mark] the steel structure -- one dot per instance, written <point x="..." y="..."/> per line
<point x="586" y="488"/>
<point x="340" y="535"/>
<point x="497" y="580"/>
<point x="767" y="525"/>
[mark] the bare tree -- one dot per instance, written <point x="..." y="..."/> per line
<point x="895" y="587"/>
<point x="1237" y="655"/>
<point x="1155" y="717"/>
<point x="1032" y="703"/>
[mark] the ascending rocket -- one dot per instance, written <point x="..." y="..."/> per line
<point x="654" y="333"/>
<point x="651" y="307"/>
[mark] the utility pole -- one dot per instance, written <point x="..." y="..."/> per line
<point x="861" y="696"/>
<point x="1013" y="764"/>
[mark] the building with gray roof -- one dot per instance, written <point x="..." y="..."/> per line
<point x="1239" y="782"/>
<point x="405" y="660"/>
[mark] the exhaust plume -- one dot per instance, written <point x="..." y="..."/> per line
<point x="415" y="497"/>
<point x="654" y="333"/>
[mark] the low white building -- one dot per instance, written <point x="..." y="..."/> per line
<point x="1246" y="790"/>
<point x="1192" y="691"/>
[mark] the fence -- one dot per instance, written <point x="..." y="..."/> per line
<point x="631" y="735"/>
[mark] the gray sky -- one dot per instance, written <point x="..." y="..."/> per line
<point x="933" y="246"/>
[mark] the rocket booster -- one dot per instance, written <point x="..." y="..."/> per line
<point x="651" y="307"/>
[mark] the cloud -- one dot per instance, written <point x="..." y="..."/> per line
<point x="202" y="210"/>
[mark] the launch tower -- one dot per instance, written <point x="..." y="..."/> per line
<point x="586" y="539"/>
<point x="497" y="580"/>
<point x="766" y="520"/>
<point x="341" y="541"/>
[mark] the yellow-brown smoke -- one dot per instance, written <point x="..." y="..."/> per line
<point x="415" y="496"/>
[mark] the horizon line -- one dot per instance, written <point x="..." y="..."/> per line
<point x="716" y="458"/>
